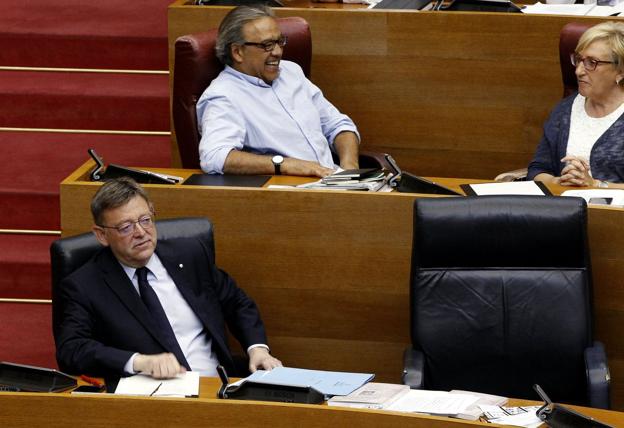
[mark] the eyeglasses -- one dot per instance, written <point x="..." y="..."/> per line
<point x="269" y="45"/>
<point x="127" y="228"/>
<point x="590" y="64"/>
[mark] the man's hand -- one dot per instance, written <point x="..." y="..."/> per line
<point x="159" y="366"/>
<point x="300" y="167"/>
<point x="259" y="358"/>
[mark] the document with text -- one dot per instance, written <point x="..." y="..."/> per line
<point x="184" y="385"/>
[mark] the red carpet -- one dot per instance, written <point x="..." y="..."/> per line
<point x="84" y="34"/>
<point x="26" y="334"/>
<point x="34" y="164"/>
<point x="110" y="34"/>
<point x="25" y="266"/>
<point x="127" y="102"/>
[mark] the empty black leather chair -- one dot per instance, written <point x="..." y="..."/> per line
<point x="501" y="299"/>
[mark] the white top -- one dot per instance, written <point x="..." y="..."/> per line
<point x="585" y="130"/>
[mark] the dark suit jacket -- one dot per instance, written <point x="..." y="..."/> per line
<point x="104" y="320"/>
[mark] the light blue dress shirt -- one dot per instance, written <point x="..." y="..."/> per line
<point x="290" y="117"/>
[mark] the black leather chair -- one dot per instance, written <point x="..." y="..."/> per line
<point x="501" y="299"/>
<point x="68" y="254"/>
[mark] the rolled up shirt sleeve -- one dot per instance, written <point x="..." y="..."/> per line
<point x="225" y="133"/>
<point x="332" y="121"/>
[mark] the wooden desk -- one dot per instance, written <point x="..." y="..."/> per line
<point x="448" y="94"/>
<point x="29" y="410"/>
<point x="330" y="271"/>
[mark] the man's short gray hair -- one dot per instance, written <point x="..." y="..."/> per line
<point x="231" y="29"/>
<point x="115" y="193"/>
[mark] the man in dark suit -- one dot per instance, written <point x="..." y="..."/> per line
<point x="136" y="307"/>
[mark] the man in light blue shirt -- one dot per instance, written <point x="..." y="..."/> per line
<point x="261" y="115"/>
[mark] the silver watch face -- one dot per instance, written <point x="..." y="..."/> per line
<point x="278" y="159"/>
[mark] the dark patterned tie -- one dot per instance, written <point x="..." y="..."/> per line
<point x="150" y="299"/>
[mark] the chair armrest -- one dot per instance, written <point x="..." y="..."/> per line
<point x="374" y="160"/>
<point x="598" y="377"/>
<point x="515" y="175"/>
<point x="413" y="368"/>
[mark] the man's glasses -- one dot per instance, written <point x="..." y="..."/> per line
<point x="269" y="45"/>
<point x="127" y="228"/>
<point x="589" y="63"/>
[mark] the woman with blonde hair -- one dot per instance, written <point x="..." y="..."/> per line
<point x="583" y="141"/>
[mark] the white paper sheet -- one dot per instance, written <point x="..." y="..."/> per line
<point x="512" y="188"/>
<point x="185" y="385"/>
<point x="433" y="402"/>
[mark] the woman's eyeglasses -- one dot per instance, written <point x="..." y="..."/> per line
<point x="589" y="63"/>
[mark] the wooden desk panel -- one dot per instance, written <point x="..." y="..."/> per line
<point x="330" y="270"/>
<point x="450" y="94"/>
<point x="107" y="410"/>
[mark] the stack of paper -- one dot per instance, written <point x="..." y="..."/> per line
<point x="368" y="179"/>
<point x="354" y="176"/>
<point x="474" y="411"/>
<point x="371" y="396"/>
<point x="434" y="402"/>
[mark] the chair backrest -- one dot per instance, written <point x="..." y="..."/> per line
<point x="196" y="65"/>
<point x="501" y="294"/>
<point x="68" y="254"/>
<point x="568" y="39"/>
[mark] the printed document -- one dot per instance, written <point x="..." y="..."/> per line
<point x="371" y="396"/>
<point x="433" y="402"/>
<point x="184" y="385"/>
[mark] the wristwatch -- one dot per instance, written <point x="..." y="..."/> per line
<point x="602" y="184"/>
<point x="277" y="160"/>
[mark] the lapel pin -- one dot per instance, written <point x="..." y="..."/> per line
<point x="181" y="265"/>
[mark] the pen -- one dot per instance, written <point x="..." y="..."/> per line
<point x="92" y="381"/>
<point x="154" y="391"/>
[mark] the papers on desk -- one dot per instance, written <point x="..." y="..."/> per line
<point x="184" y="385"/>
<point x="433" y="402"/>
<point x="573" y="9"/>
<point x="612" y="197"/>
<point x="371" y="396"/>
<point x="399" y="398"/>
<point x="514" y="416"/>
<point x="367" y="179"/>
<point x="512" y="188"/>
<point x="327" y="383"/>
